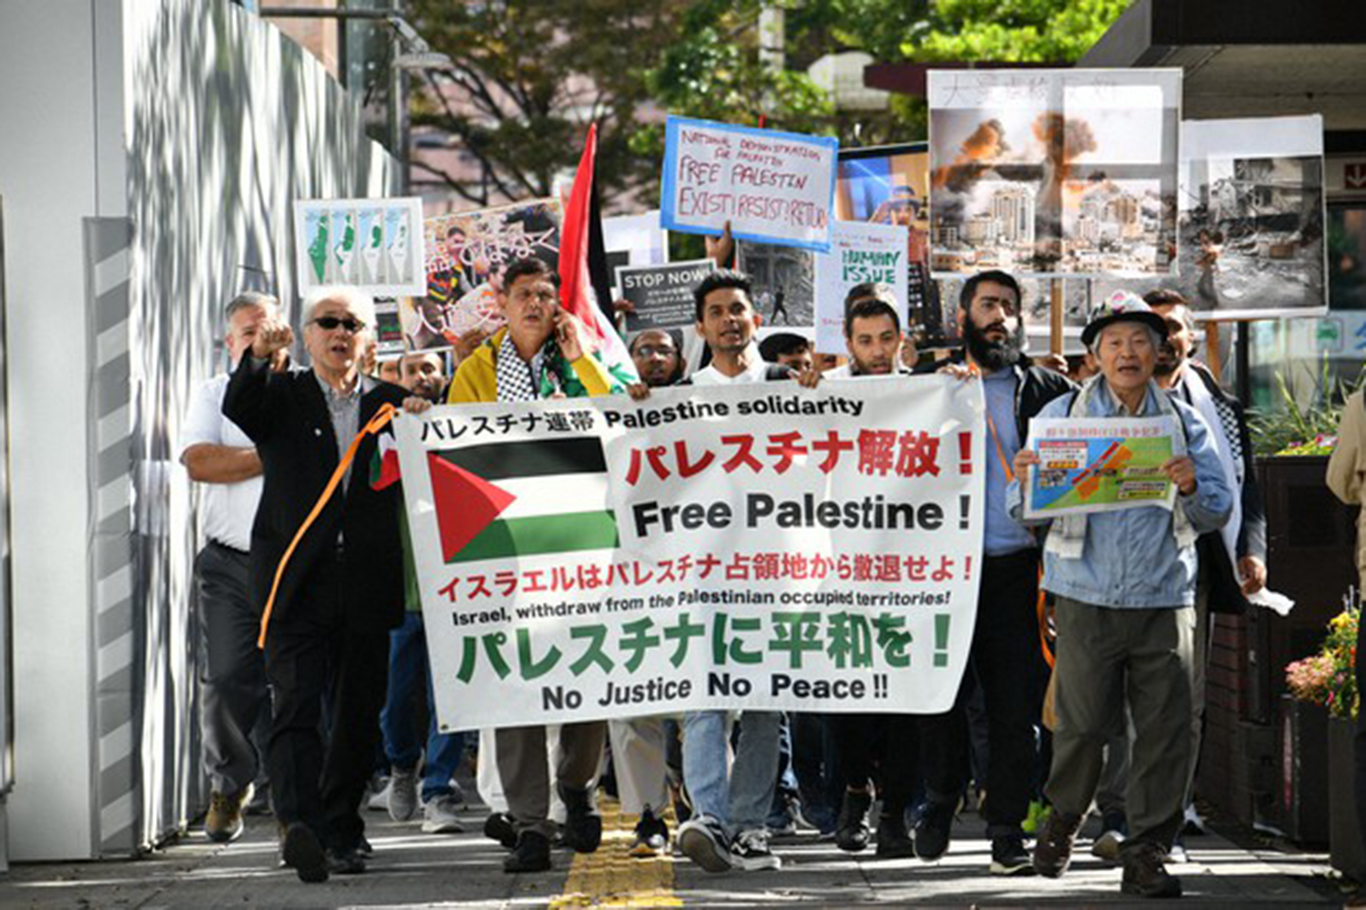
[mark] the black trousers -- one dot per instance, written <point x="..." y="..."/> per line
<point x="887" y="748"/>
<point x="316" y="659"/>
<point x="234" y="700"/>
<point x="1005" y="662"/>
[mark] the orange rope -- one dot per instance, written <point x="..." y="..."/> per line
<point x="382" y="417"/>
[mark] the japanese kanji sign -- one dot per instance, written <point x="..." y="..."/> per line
<point x="757" y="546"/>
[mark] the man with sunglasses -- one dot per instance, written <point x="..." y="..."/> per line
<point x="342" y="590"/>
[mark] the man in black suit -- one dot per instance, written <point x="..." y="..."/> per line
<point x="342" y="589"/>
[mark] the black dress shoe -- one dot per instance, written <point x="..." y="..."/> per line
<point x="582" y="826"/>
<point x="498" y="826"/>
<point x="851" y="830"/>
<point x="893" y="840"/>
<point x="302" y="852"/>
<point x="532" y="854"/>
<point x="345" y="862"/>
<point x="1145" y="874"/>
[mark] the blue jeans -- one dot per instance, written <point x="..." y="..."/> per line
<point x="742" y="802"/>
<point x="408" y="668"/>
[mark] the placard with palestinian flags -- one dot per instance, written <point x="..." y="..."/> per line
<point x="755" y="546"/>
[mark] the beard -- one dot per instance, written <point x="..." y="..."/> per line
<point x="993" y="355"/>
<point x="1168" y="361"/>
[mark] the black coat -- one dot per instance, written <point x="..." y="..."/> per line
<point x="286" y="415"/>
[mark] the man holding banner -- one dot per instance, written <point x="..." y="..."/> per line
<point x="1006" y="659"/>
<point x="729" y="828"/>
<point x="541" y="353"/>
<point x="1122" y="566"/>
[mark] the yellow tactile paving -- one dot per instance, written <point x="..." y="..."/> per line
<point x="611" y="877"/>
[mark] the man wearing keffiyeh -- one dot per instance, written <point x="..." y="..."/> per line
<point x="542" y="353"/>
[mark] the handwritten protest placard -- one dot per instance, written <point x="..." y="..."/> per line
<point x="760" y="546"/>
<point x="661" y="294"/>
<point x="771" y="186"/>
<point x="859" y="253"/>
<point x="1100" y="464"/>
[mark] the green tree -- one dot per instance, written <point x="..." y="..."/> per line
<point x="528" y="78"/>
<point x="1014" y="31"/>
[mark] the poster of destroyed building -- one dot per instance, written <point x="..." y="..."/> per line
<point x="1054" y="172"/>
<point x="1251" y="221"/>
<point x="466" y="254"/>
<point x="890" y="184"/>
<point x="784" y="283"/>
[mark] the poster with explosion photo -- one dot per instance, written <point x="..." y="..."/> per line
<point x="1054" y="172"/>
<point x="466" y="254"/>
<point x="1251" y="220"/>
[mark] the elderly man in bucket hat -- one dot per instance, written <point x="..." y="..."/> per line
<point x="1123" y="583"/>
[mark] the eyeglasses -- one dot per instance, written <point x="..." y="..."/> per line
<point x="328" y="323"/>
<point x="646" y="350"/>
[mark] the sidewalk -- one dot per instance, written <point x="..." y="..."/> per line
<point x="415" y="870"/>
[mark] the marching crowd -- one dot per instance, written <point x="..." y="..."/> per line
<point x="342" y="684"/>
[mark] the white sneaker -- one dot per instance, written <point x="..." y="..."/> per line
<point x="1107" y="846"/>
<point x="751" y="853"/>
<point x="377" y="798"/>
<point x="403" y="795"/>
<point x="439" y="816"/>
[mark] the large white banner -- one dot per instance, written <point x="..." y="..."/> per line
<point x="755" y="546"/>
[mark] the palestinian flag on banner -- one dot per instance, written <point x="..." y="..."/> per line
<point x="384" y="464"/>
<point x="511" y="499"/>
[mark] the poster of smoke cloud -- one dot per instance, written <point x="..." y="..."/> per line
<point x="1054" y="172"/>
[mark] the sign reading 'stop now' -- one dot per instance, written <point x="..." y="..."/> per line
<point x="772" y="187"/>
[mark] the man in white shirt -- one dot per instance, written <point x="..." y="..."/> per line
<point x="730" y="809"/>
<point x="728" y="322"/>
<point x="218" y="454"/>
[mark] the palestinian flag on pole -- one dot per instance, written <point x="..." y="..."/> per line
<point x="503" y="500"/>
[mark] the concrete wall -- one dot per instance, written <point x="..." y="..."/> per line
<point x="49" y="178"/>
<point x="200" y="124"/>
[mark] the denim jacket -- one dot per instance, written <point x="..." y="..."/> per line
<point x="1130" y="557"/>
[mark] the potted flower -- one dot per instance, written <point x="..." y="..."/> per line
<point x="1329" y="678"/>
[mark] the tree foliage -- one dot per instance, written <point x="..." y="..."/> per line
<point x="531" y="74"/>
<point x="529" y="77"/>
<point x="1015" y="31"/>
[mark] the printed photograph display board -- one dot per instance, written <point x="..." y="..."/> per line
<point x="890" y="184"/>
<point x="1054" y="172"/>
<point x="467" y="253"/>
<point x="784" y="283"/>
<point x="1252" y="220"/>
<point x="370" y="244"/>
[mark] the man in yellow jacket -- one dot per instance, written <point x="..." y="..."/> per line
<point x="1347" y="480"/>
<point x="542" y="353"/>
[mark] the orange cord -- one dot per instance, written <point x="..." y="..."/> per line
<point x="382" y="417"/>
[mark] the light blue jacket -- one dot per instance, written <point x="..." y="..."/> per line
<point x="1130" y="557"/>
